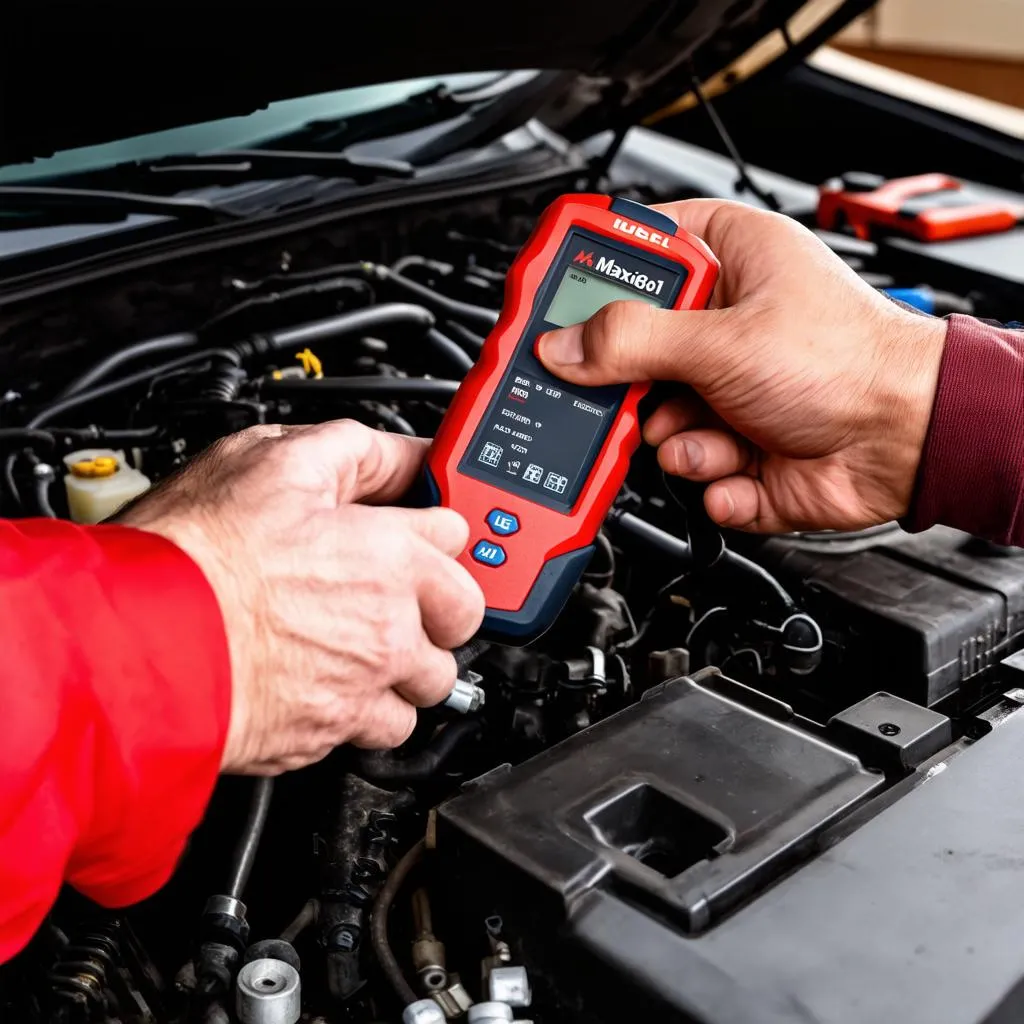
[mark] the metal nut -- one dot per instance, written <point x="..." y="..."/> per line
<point x="466" y="697"/>
<point x="489" y="1013"/>
<point x="269" y="992"/>
<point x="425" y="1011"/>
<point x="509" y="985"/>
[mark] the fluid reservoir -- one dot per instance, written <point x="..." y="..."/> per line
<point x="99" y="481"/>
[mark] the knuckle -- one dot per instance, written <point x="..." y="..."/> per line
<point x="399" y="639"/>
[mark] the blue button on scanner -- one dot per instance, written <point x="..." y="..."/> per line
<point x="501" y="522"/>
<point x="489" y="554"/>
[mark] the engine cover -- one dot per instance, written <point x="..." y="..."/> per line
<point x="677" y="808"/>
<point x="919" y="615"/>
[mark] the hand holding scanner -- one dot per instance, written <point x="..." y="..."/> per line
<point x="534" y="463"/>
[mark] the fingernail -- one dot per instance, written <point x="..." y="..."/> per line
<point x="730" y="506"/>
<point x="564" y="347"/>
<point x="694" y="452"/>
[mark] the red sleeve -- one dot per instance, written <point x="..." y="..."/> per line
<point x="115" y="696"/>
<point x="971" y="475"/>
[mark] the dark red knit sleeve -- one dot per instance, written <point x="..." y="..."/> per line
<point x="971" y="475"/>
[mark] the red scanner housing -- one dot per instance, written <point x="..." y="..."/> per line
<point x="543" y="557"/>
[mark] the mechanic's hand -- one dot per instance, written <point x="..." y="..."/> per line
<point x="810" y="393"/>
<point x="340" y="617"/>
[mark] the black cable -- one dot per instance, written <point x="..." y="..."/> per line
<point x="385" y="766"/>
<point x="745" y="181"/>
<point x="412" y="260"/>
<point x="44" y="475"/>
<point x="167" y="343"/>
<point x="248" y="844"/>
<point x="315" y="288"/>
<point x="83" y="397"/>
<point x="450" y="352"/>
<point x="379" y="922"/>
<point x="396" y="423"/>
<point x="334" y="270"/>
<point x="356" y="321"/>
<point x="26" y="434"/>
<point x="443" y="304"/>
<point x="471" y="342"/>
<point x="468" y="653"/>
<point x="359" y="389"/>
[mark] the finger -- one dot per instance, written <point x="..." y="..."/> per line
<point x="442" y="528"/>
<point x="387" y="723"/>
<point x="370" y="465"/>
<point x="743" y="503"/>
<point x="704" y="454"/>
<point x="706" y="218"/>
<point x="431" y="679"/>
<point x="451" y="601"/>
<point x="680" y="413"/>
<point x="632" y="341"/>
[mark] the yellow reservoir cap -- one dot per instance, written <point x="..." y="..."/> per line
<point x="311" y="364"/>
<point x="102" y="465"/>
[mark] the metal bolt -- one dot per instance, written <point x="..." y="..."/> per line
<point x="889" y="729"/>
<point x="509" y="985"/>
<point x="425" y="1011"/>
<point x="466" y="697"/>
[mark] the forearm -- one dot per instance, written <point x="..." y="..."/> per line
<point x="116" y="695"/>
<point x="971" y="475"/>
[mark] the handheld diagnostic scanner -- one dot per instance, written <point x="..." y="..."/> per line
<point x="534" y="463"/>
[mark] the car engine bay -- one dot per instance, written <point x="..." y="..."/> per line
<point x="696" y="727"/>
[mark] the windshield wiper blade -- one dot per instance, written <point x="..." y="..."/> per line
<point x="484" y="123"/>
<point x="97" y="206"/>
<point x="254" y="164"/>
<point x="420" y="110"/>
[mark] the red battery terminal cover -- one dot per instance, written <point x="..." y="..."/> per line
<point x="928" y="207"/>
<point x="543" y="534"/>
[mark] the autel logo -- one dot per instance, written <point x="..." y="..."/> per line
<point x="634" y="229"/>
<point x="586" y="258"/>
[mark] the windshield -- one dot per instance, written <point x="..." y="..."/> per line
<point x="235" y="132"/>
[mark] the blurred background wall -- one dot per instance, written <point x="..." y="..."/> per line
<point x="974" y="45"/>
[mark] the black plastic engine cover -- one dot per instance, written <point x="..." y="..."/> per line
<point x="917" y="615"/>
<point x="680" y="806"/>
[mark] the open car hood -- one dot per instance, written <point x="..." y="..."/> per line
<point x="76" y="74"/>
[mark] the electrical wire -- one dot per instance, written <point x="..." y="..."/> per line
<point x="248" y="844"/>
<point x="471" y="342"/>
<point x="379" y="922"/>
<point x="444" y="304"/>
<point x="361" y="388"/>
<point x="24" y="435"/>
<point x="450" y="352"/>
<point x="334" y="270"/>
<point x="385" y="767"/>
<point x="258" y="302"/>
<point x="395" y="422"/>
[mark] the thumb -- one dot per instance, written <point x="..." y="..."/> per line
<point x="632" y="341"/>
